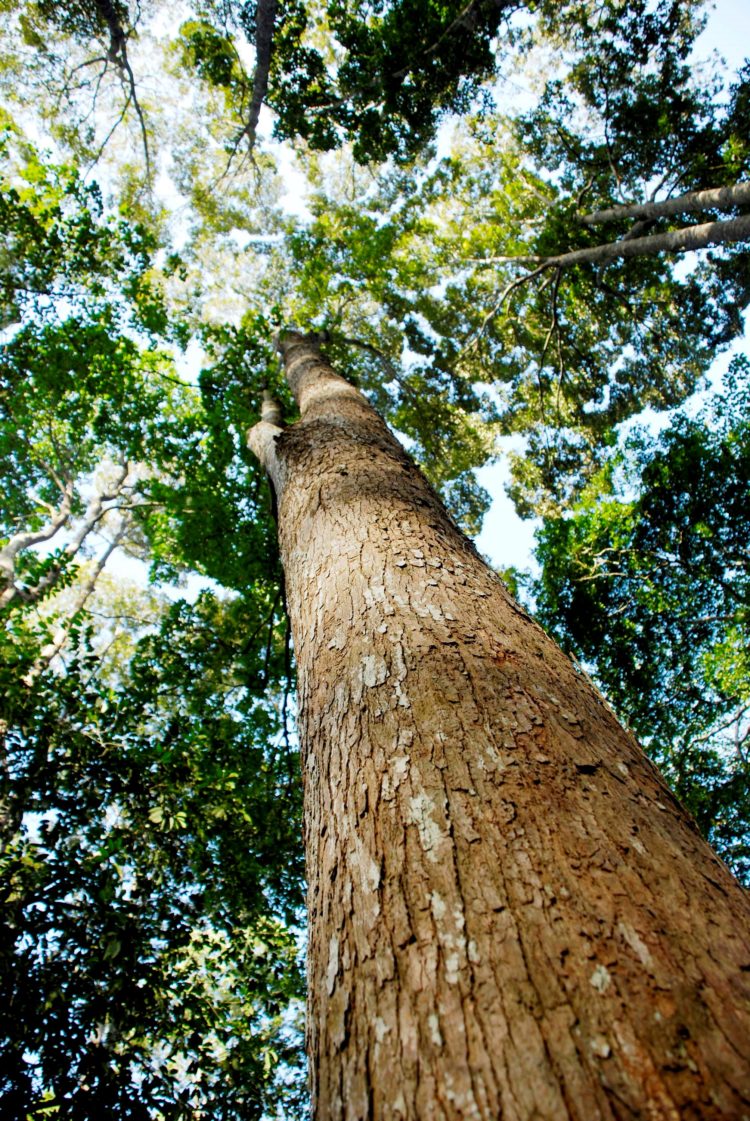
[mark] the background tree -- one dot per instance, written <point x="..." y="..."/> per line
<point x="645" y="580"/>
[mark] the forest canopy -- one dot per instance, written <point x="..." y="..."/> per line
<point x="520" y="226"/>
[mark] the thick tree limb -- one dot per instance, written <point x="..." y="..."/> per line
<point x="270" y="409"/>
<point x="719" y="198"/>
<point x="261" y="439"/>
<point x="21" y="541"/>
<point x="684" y="240"/>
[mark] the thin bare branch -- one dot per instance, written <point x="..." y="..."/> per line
<point x="497" y="307"/>
<point x="118" y="54"/>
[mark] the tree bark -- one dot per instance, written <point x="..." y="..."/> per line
<point x="510" y="915"/>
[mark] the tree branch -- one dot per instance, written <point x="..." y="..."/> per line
<point x="118" y="54"/>
<point x="684" y="240"/>
<point x="25" y="540"/>
<point x="719" y="198"/>
<point x="94" y="512"/>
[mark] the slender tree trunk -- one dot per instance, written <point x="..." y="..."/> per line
<point x="510" y="915"/>
<point x="265" y="18"/>
<point x="719" y="198"/>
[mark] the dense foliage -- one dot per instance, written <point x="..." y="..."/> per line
<point x="646" y="581"/>
<point x="150" y="809"/>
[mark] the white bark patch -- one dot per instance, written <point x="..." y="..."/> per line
<point x="600" y="1047"/>
<point x="431" y="835"/>
<point x="341" y="695"/>
<point x="367" y="870"/>
<point x="333" y="965"/>
<point x="374" y="670"/>
<point x="399" y="670"/>
<point x="434" y="1025"/>
<point x="464" y="1101"/>
<point x="373" y="594"/>
<point x="452" y="968"/>
<point x="381" y="1029"/>
<point x="636" y="943"/>
<point x="394" y="776"/>
<point x="438" y="906"/>
<point x="600" y="979"/>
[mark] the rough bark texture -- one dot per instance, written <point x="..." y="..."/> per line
<point x="510" y="915"/>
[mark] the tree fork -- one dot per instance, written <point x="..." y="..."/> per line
<point x="510" y="915"/>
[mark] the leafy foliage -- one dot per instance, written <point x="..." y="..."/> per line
<point x="149" y="803"/>
<point x="400" y="66"/>
<point x="145" y="973"/>
<point x="634" y="111"/>
<point x="647" y="581"/>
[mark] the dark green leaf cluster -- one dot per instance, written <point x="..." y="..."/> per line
<point x="387" y="74"/>
<point x="400" y="66"/>
<point x="84" y="19"/>
<point x="150" y="870"/>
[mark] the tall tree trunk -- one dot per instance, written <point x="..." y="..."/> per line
<point x="510" y="915"/>
<point x="265" y="19"/>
